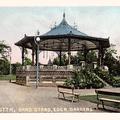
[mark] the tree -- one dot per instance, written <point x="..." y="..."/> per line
<point x="64" y="60"/>
<point x="80" y="56"/>
<point x="4" y="62"/>
<point x="14" y="67"/>
<point x="4" y="67"/>
<point x="91" y="57"/>
<point x="4" y="50"/>
<point x="56" y="61"/>
<point x="111" y="62"/>
<point x="76" y="59"/>
<point x="27" y="61"/>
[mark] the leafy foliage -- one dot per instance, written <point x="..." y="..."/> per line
<point x="116" y="82"/>
<point x="91" y="57"/>
<point x="14" y="67"/>
<point x="4" y="62"/>
<point x="107" y="77"/>
<point x="4" y="50"/>
<point x="112" y="62"/>
<point x="64" y="60"/>
<point x="4" y="67"/>
<point x="27" y="61"/>
<point x="76" y="59"/>
<point x="84" y="79"/>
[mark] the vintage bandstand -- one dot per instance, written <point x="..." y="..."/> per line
<point x="61" y="38"/>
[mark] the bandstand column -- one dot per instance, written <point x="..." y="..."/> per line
<point x="69" y="52"/>
<point x="69" y="55"/>
<point x="60" y="55"/>
<point x="85" y="55"/>
<point x="23" y="57"/>
<point x="100" y="56"/>
<point x="32" y="56"/>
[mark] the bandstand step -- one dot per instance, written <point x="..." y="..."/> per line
<point x="45" y="84"/>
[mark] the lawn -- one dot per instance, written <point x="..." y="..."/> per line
<point x="90" y="98"/>
<point x="93" y="99"/>
<point x="7" y="77"/>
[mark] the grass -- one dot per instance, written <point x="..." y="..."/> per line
<point x="90" y="98"/>
<point x="7" y="77"/>
<point x="93" y="99"/>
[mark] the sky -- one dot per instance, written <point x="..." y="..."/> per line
<point x="94" y="21"/>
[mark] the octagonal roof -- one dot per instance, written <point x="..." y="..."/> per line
<point x="57" y="39"/>
<point x="63" y="29"/>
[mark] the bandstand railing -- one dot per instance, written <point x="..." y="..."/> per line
<point x="50" y="74"/>
<point x="54" y="67"/>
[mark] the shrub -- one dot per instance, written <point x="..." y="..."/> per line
<point x="93" y="80"/>
<point x="109" y="78"/>
<point x="68" y="82"/>
<point x="84" y="79"/>
<point x="116" y="82"/>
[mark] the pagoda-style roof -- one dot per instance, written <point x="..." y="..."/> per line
<point x="63" y="37"/>
<point x="64" y="29"/>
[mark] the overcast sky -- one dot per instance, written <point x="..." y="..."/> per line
<point x="94" y="21"/>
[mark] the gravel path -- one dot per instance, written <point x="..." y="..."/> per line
<point x="17" y="98"/>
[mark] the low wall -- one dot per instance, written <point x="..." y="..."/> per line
<point x="49" y="75"/>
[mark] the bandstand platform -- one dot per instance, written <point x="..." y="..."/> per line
<point x="48" y="75"/>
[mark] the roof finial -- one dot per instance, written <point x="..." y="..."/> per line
<point x="75" y="26"/>
<point x="55" y="25"/>
<point x="38" y="33"/>
<point x="64" y="15"/>
<point x="25" y="35"/>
